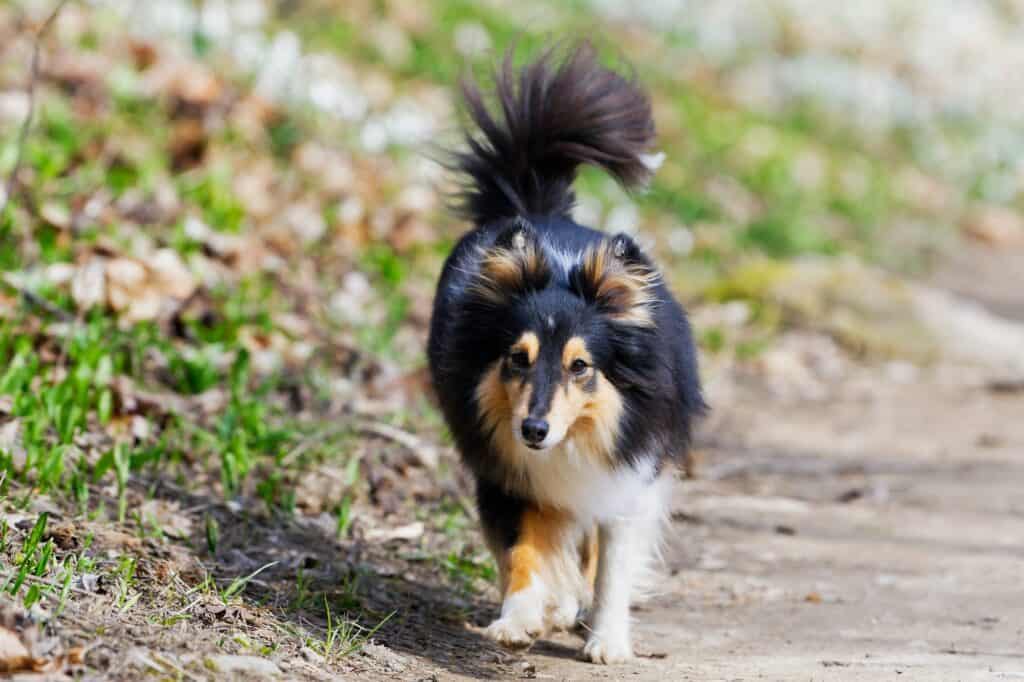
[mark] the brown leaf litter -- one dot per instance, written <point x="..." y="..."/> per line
<point x="24" y="650"/>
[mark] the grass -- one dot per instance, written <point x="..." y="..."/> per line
<point x="343" y="637"/>
<point x="64" y="390"/>
<point x="238" y="584"/>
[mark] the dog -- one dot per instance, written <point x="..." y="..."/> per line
<point x="564" y="367"/>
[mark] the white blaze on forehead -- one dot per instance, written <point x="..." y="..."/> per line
<point x="551" y="321"/>
<point x="566" y="260"/>
<point x="519" y="240"/>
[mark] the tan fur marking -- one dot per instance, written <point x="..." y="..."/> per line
<point x="624" y="288"/>
<point x="570" y="400"/>
<point x="597" y="423"/>
<point x="505" y="272"/>
<point x="575" y="348"/>
<point x="529" y="344"/>
<point x="588" y="557"/>
<point x="567" y="404"/>
<point x="492" y="398"/>
<point x="498" y="402"/>
<point x="540" y="536"/>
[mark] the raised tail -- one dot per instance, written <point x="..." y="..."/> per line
<point x="552" y="115"/>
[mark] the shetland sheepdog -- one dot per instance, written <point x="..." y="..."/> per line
<point x="563" y="365"/>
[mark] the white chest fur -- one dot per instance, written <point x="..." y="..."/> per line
<point x="582" y="484"/>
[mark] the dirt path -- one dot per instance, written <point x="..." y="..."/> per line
<point x="857" y="539"/>
<point x="873" y="533"/>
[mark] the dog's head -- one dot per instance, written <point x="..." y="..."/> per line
<point x="570" y="333"/>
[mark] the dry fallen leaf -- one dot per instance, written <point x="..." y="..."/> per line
<point x="10" y="442"/>
<point x="88" y="286"/>
<point x="126" y="275"/>
<point x="144" y="54"/>
<point x="14" y="656"/>
<point x="20" y="642"/>
<point x="56" y="215"/>
<point x="60" y="274"/>
<point x="133" y="399"/>
<point x="195" y="84"/>
<point x="188" y="144"/>
<point x="171" y="275"/>
<point x="138" y="290"/>
<point x="167" y="516"/>
<point x="409" y="531"/>
<point x="995" y="226"/>
<point x="64" y="535"/>
<point x="408" y="231"/>
<point x="254" y="187"/>
<point x="90" y="582"/>
<point x="115" y="540"/>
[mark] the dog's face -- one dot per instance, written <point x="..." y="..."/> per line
<point x="561" y="342"/>
<point x="549" y="391"/>
<point x="549" y="383"/>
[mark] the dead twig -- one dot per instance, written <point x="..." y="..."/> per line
<point x="429" y="455"/>
<point x="35" y="300"/>
<point x="30" y="91"/>
<point x="191" y="605"/>
<point x="312" y="441"/>
<point x="426" y="453"/>
<point x="1006" y="386"/>
<point x="39" y="580"/>
<point x="164" y="660"/>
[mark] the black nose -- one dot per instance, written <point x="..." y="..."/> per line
<point x="534" y="430"/>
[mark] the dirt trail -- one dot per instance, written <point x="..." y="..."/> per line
<point x="854" y="540"/>
<point x="873" y="534"/>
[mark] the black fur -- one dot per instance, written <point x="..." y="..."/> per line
<point x="500" y="512"/>
<point x="556" y="115"/>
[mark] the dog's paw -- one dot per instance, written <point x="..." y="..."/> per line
<point x="608" y="649"/>
<point x="514" y="632"/>
<point x="566" y="614"/>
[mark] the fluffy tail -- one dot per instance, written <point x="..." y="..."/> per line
<point x="556" y="113"/>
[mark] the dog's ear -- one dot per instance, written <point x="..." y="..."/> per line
<point x="512" y="265"/>
<point x="618" y="278"/>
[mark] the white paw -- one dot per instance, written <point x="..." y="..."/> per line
<point x="513" y="631"/>
<point x="608" y="648"/>
<point x="565" y="612"/>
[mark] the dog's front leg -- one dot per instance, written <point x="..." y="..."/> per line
<point x="621" y="550"/>
<point x="527" y="577"/>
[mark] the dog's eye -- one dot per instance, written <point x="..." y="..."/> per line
<point x="578" y="367"/>
<point x="519" y="360"/>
